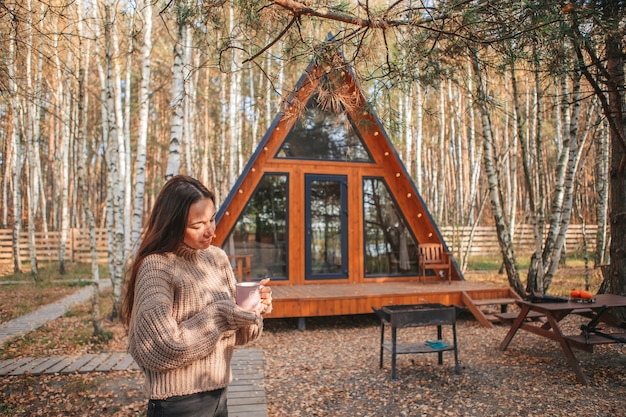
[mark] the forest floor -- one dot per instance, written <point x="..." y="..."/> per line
<point x="332" y="369"/>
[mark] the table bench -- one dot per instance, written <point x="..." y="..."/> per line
<point x="587" y="343"/>
<point x="509" y="317"/>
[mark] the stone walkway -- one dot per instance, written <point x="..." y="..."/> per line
<point x="246" y="394"/>
<point x="32" y="321"/>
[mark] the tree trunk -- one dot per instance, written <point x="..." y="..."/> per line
<point x="504" y="236"/>
<point x="419" y="134"/>
<point x="234" y="112"/>
<point x="440" y="188"/>
<point x="615" y="67"/>
<point x="142" y="131"/>
<point x="81" y="172"/>
<point x="126" y="144"/>
<point x="177" y="99"/>
<point x="602" y="189"/>
<point x="16" y="140"/>
<point x="571" y="130"/>
<point x="536" y="176"/>
<point x="32" y="121"/>
<point x="475" y="155"/>
<point x="114" y="155"/>
<point x="65" y="97"/>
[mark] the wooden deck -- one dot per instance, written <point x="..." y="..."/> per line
<point x="335" y="299"/>
<point x="246" y="393"/>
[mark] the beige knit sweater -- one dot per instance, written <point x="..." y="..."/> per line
<point x="185" y="323"/>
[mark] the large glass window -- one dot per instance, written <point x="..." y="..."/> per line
<point x="326" y="222"/>
<point x="261" y="230"/>
<point x="390" y="248"/>
<point x="326" y="135"/>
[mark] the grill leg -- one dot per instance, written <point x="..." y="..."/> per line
<point x="439" y="336"/>
<point x="382" y="340"/>
<point x="393" y="353"/>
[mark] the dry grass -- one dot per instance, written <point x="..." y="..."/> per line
<point x="20" y="293"/>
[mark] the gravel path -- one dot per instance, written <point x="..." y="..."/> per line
<point x="332" y="369"/>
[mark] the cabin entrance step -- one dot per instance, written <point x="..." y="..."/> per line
<point x="482" y="308"/>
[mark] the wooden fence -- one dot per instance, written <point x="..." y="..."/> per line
<point x="485" y="239"/>
<point x="484" y="242"/>
<point x="47" y="247"/>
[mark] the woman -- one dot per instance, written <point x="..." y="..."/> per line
<point x="179" y="306"/>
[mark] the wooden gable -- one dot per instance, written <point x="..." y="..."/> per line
<point x="380" y="165"/>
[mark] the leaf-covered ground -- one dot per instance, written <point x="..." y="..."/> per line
<point x="332" y="369"/>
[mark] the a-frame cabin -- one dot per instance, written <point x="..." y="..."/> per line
<point x="326" y="208"/>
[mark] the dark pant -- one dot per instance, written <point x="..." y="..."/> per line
<point x="202" y="404"/>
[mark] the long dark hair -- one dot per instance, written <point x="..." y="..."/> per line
<point x="165" y="229"/>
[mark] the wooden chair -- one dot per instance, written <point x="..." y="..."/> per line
<point x="433" y="256"/>
<point x="242" y="267"/>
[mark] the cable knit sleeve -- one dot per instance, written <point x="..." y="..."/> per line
<point x="160" y="341"/>
<point x="249" y="333"/>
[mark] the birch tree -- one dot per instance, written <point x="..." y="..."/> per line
<point x="81" y="171"/>
<point x="11" y="63"/>
<point x="181" y="12"/>
<point x="64" y="103"/>
<point x="602" y="175"/>
<point x="31" y="130"/>
<point x="502" y="230"/>
<point x="234" y="96"/>
<point x="142" y="131"/>
<point x="114" y="154"/>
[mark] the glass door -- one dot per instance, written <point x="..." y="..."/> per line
<point x="326" y="227"/>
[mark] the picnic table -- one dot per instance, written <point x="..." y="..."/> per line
<point x="598" y="311"/>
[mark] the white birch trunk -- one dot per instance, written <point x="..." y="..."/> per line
<point x="602" y="189"/>
<point x="559" y="192"/>
<point x="456" y="139"/>
<point x="116" y="225"/>
<point x="81" y="171"/>
<point x="504" y="237"/>
<point x="9" y="152"/>
<point x="16" y="132"/>
<point x="224" y="140"/>
<point x="234" y="113"/>
<point x="474" y="152"/>
<point x="64" y="107"/>
<point x="208" y="168"/>
<point x="574" y="150"/>
<point x="511" y="174"/>
<point x="142" y="134"/>
<point x="407" y="99"/>
<point x="31" y="122"/>
<point x="256" y="119"/>
<point x="190" y="120"/>
<point x="177" y="100"/>
<point x="440" y="185"/>
<point x="127" y="154"/>
<point x="537" y="176"/>
<point x="107" y="214"/>
<point x="40" y="200"/>
<point x="269" y="92"/>
<point x="419" y="134"/>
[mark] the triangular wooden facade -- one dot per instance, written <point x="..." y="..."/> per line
<point x="380" y="164"/>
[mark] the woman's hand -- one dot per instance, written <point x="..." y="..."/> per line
<point x="266" y="297"/>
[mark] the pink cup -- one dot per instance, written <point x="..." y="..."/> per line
<point x="248" y="295"/>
